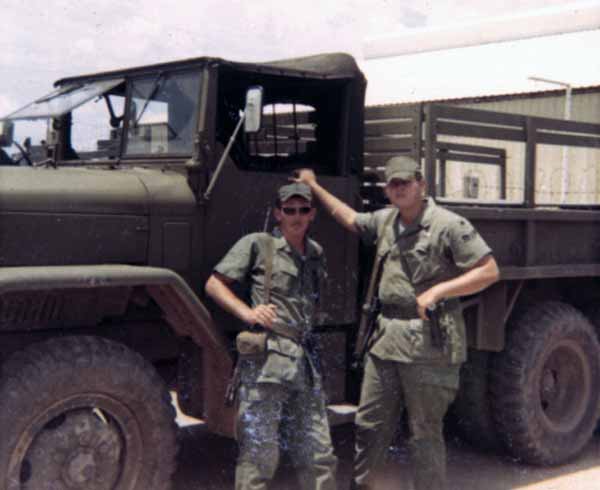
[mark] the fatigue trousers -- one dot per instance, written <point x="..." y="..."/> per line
<point x="388" y="389"/>
<point x="271" y="416"/>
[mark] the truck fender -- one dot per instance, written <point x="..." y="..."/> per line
<point x="184" y="312"/>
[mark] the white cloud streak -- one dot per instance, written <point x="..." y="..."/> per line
<point x="43" y="41"/>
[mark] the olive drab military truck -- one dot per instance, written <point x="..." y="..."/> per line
<point x="119" y="191"/>
<point x="111" y="219"/>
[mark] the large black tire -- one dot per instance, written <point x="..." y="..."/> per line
<point x="84" y="413"/>
<point x="544" y="384"/>
<point x="470" y="414"/>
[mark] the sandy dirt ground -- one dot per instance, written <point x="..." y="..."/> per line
<point x="206" y="462"/>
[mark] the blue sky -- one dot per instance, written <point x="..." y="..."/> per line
<point x="43" y="41"/>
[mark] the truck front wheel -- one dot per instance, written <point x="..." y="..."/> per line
<point x="544" y="385"/>
<point x="84" y="413"/>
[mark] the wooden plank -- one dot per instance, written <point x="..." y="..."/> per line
<point x="512" y="211"/>
<point x="451" y="156"/>
<point x="491" y="209"/>
<point x="442" y="187"/>
<point x="379" y="159"/>
<point x="389" y="127"/>
<point x="478" y="115"/>
<point x="567" y="139"/>
<point x="408" y="111"/>
<point x="419" y="117"/>
<point x="430" y="148"/>
<point x="401" y="143"/>
<point x="546" y="123"/>
<point x="530" y="156"/>
<point x="549" y="271"/>
<point x="486" y="150"/>
<point x="474" y="131"/>
<point x="503" y="177"/>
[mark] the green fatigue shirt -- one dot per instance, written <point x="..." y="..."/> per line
<point x="295" y="289"/>
<point x="439" y="245"/>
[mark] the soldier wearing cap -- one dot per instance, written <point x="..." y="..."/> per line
<point x="431" y="256"/>
<point x="280" y="396"/>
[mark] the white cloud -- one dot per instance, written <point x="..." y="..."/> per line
<point x="43" y="41"/>
<point x="7" y="105"/>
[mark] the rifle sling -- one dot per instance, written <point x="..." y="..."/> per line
<point x="269" y="255"/>
<point x="279" y="329"/>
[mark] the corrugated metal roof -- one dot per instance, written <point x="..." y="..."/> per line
<point x="531" y="94"/>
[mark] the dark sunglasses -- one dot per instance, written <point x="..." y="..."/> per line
<point x="304" y="210"/>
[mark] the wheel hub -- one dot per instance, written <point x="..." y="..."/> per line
<point x="564" y="387"/>
<point x="80" y="469"/>
<point x="78" y="450"/>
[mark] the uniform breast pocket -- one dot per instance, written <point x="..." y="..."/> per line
<point x="285" y="276"/>
<point x="421" y="262"/>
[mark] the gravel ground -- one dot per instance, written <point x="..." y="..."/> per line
<point x="206" y="462"/>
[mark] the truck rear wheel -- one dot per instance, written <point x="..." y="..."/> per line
<point x="84" y="413"/>
<point x="544" y="384"/>
<point x="471" y="414"/>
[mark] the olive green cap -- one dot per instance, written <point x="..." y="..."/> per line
<point x="296" y="189"/>
<point x="401" y="167"/>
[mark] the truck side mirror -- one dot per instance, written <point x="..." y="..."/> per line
<point x="253" y="110"/>
<point x="6" y="133"/>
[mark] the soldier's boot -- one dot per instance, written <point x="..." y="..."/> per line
<point x="358" y="486"/>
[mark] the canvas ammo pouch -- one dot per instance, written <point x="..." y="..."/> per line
<point x="252" y="344"/>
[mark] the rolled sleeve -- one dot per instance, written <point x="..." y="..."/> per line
<point x="466" y="244"/>
<point x="369" y="224"/>
<point x="238" y="262"/>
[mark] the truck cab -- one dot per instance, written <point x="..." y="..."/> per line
<point x="119" y="192"/>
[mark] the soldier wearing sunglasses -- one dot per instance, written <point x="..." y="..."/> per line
<point x="280" y="396"/>
<point x="429" y="257"/>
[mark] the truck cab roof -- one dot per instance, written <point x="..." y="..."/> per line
<point x="323" y="66"/>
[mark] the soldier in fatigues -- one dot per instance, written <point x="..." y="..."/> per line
<point x="280" y="391"/>
<point x="431" y="256"/>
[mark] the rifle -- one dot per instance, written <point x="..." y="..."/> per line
<point x="368" y="318"/>
<point x="371" y="306"/>
<point x="233" y="384"/>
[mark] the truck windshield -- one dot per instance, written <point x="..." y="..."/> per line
<point x="163" y="114"/>
<point x="64" y="100"/>
<point x="153" y="114"/>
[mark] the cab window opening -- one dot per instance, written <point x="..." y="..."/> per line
<point x="301" y="124"/>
